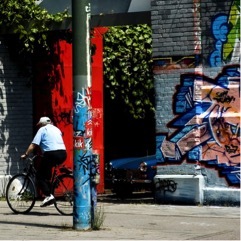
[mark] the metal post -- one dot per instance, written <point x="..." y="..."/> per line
<point x="82" y="114"/>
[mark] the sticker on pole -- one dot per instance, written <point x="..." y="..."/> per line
<point x="79" y="142"/>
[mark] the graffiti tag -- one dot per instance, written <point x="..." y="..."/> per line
<point x="223" y="97"/>
<point x="166" y="185"/>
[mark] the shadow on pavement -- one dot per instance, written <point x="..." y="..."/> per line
<point x="42" y="225"/>
<point x="34" y="213"/>
<point x="135" y="198"/>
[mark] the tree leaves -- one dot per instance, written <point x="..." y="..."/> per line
<point x="128" y="68"/>
<point x="26" y="19"/>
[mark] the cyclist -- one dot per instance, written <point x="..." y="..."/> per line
<point x="49" y="139"/>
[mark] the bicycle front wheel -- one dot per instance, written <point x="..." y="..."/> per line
<point x="63" y="190"/>
<point x="20" y="193"/>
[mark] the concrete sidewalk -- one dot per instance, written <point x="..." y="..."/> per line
<point x="126" y="221"/>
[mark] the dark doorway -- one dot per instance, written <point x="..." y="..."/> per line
<point x="125" y="136"/>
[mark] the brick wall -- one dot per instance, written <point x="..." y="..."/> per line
<point x="196" y="46"/>
<point x="15" y="115"/>
<point x="172" y="26"/>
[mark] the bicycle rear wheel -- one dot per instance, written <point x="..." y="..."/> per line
<point x="20" y="193"/>
<point x="63" y="191"/>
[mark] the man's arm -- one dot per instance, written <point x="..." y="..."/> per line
<point x="30" y="149"/>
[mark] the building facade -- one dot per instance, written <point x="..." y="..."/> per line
<point x="46" y="91"/>
<point x="196" y="52"/>
<point x="16" y="125"/>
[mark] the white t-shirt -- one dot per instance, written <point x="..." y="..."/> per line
<point x="49" y="138"/>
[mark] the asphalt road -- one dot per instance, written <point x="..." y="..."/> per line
<point x="138" y="218"/>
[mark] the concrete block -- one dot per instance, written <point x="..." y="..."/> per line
<point x="179" y="189"/>
<point x="4" y="179"/>
<point x="221" y="196"/>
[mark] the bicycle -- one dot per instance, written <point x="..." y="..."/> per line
<point x="21" y="191"/>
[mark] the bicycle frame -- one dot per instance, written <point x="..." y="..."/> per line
<point x="57" y="171"/>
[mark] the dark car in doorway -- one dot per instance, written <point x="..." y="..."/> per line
<point x="127" y="175"/>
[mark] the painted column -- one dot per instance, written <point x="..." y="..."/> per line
<point x="82" y="117"/>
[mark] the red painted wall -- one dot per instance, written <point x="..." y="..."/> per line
<point x="52" y="91"/>
<point x="97" y="101"/>
<point x="53" y="94"/>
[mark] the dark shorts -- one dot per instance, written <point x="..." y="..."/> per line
<point x="51" y="159"/>
<point x="44" y="173"/>
<point x="55" y="157"/>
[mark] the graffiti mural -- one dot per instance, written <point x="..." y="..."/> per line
<point x="177" y="62"/>
<point x="206" y="127"/>
<point x="207" y="123"/>
<point x="226" y="33"/>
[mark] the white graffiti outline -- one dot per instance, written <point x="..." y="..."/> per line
<point x="83" y="99"/>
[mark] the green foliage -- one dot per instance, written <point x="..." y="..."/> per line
<point x="29" y="22"/>
<point x="128" y="68"/>
<point x="127" y="52"/>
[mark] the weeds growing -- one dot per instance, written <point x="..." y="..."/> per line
<point x="98" y="219"/>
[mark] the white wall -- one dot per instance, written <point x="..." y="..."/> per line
<point x="15" y="116"/>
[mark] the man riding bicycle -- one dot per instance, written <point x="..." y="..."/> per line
<point x="49" y="139"/>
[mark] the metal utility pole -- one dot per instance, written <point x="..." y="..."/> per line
<point x="82" y="124"/>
